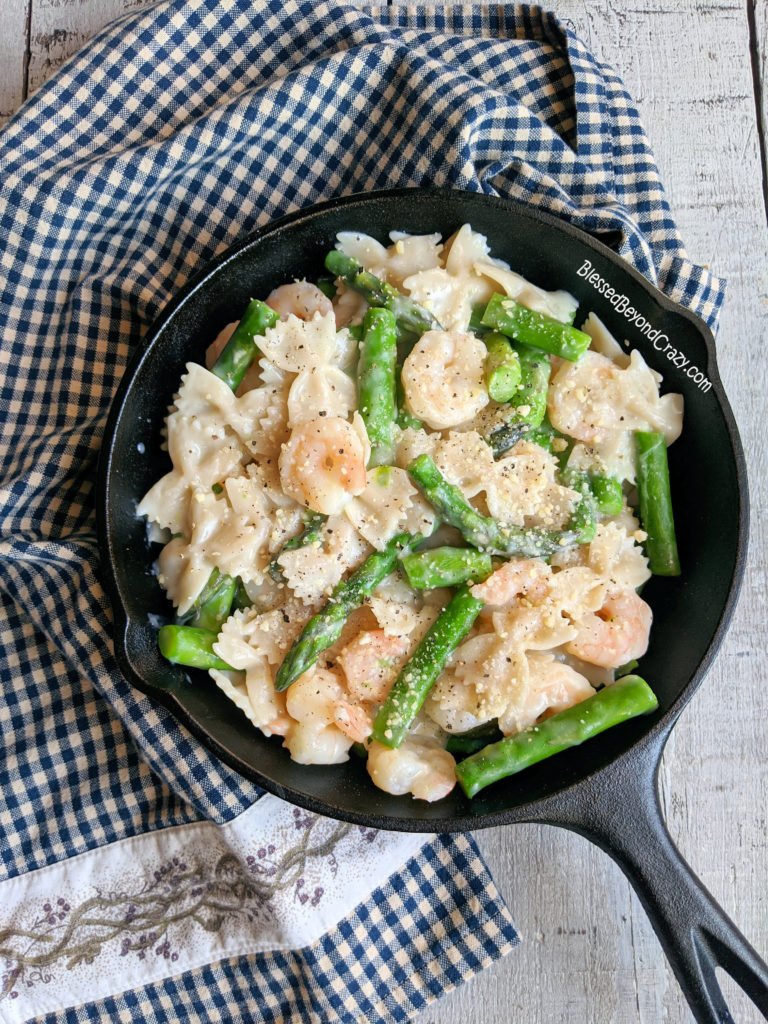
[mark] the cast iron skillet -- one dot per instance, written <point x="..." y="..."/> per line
<point x="606" y="789"/>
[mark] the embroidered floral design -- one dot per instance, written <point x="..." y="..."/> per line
<point x="291" y="863"/>
<point x="188" y="889"/>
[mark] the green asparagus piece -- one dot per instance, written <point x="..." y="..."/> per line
<point x="241" y="349"/>
<point x="599" y="494"/>
<point x="510" y="317"/>
<point x="451" y="505"/>
<point x="190" y="646"/>
<point x="465" y="743"/>
<point x="530" y="399"/>
<point x="376" y="383"/>
<point x="412" y="319"/>
<point x="313" y="527"/>
<point x="446" y="567"/>
<point x="505" y="437"/>
<point x="481" y="531"/>
<point x="327" y="286"/>
<point x="607" y="492"/>
<point x="584" y="518"/>
<point x="241" y="600"/>
<point x="622" y="700"/>
<point x="325" y="627"/>
<point x="502" y="367"/>
<point x="213" y="604"/>
<point x="528" y="404"/>
<point x="656" y="503"/>
<point x="476" y="320"/>
<point x="562" y="447"/>
<point x="417" y="676"/>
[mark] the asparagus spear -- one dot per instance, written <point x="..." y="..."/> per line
<point x="502" y="367"/>
<point x="241" y="349"/>
<point x="446" y="567"/>
<point x="599" y="493"/>
<point x="412" y="319"/>
<point x="213" y="604"/>
<point x="376" y="382"/>
<point x="505" y="437"/>
<point x="481" y="531"/>
<point x="417" y="676"/>
<point x="476" y="320"/>
<point x="327" y="286"/>
<point x="469" y="742"/>
<point x="190" y="646"/>
<point x="624" y="699"/>
<point x="528" y="404"/>
<point x="607" y="492"/>
<point x="241" y="599"/>
<point x="584" y="518"/>
<point x="656" y="503"/>
<point x="510" y="317"/>
<point x="325" y="627"/>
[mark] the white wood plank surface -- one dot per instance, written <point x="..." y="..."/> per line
<point x="13" y="56"/>
<point x="58" y="28"/>
<point x="589" y="955"/>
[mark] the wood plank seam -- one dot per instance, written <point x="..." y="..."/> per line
<point x="27" y="53"/>
<point x="760" y="112"/>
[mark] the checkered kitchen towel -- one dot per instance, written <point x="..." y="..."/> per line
<point x="142" y="880"/>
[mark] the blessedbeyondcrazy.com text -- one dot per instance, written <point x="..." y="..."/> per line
<point x="659" y="340"/>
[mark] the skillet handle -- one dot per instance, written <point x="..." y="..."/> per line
<point x="618" y="809"/>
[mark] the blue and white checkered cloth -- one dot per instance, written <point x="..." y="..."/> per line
<point x="175" y="133"/>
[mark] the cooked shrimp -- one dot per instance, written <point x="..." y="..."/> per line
<point x="322" y="465"/>
<point x="615" y="634"/>
<point x="313" y="736"/>
<point x="419" y="766"/>
<point x="301" y="298"/>
<point x="524" y="579"/>
<point x="371" y="662"/>
<point x="443" y="378"/>
<point x="585" y="398"/>
<point x="354" y="720"/>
